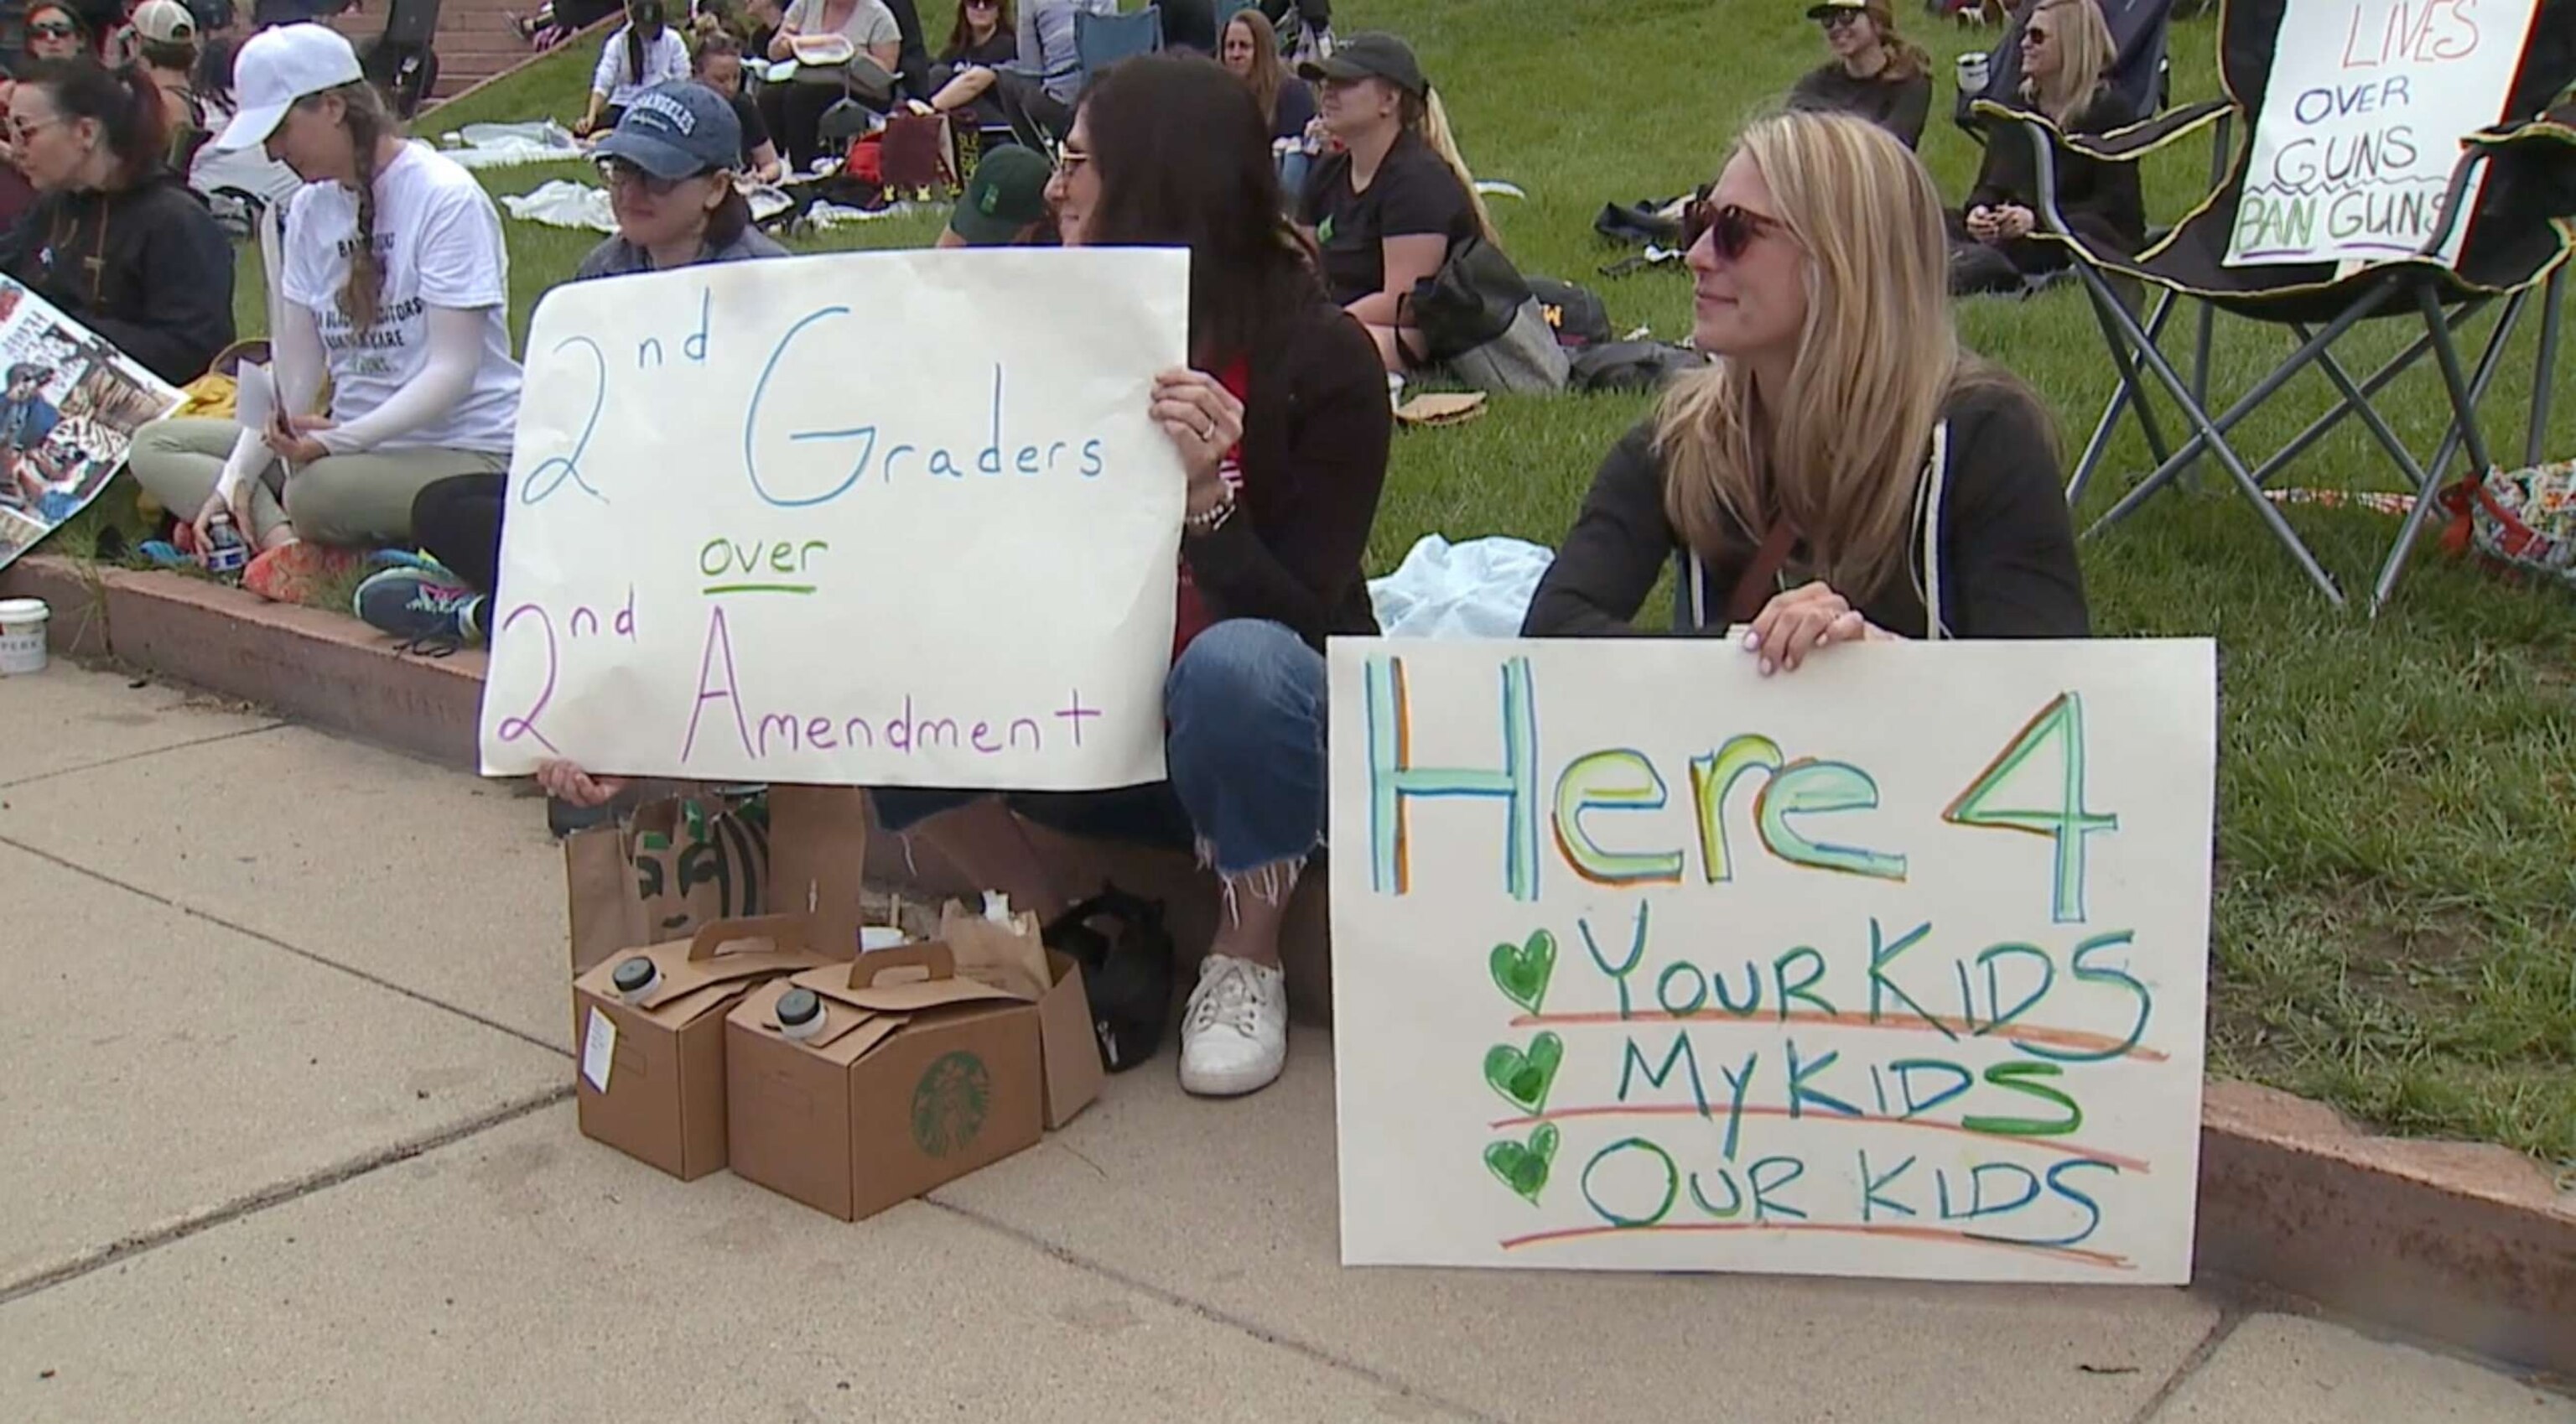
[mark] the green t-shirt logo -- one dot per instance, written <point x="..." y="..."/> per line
<point x="1324" y="231"/>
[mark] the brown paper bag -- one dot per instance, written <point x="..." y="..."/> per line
<point x="685" y="862"/>
<point x="1010" y="955"/>
<point x="818" y="854"/>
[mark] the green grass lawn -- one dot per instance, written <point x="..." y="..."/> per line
<point x="2396" y="903"/>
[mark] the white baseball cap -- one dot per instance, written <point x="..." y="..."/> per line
<point x="278" y="66"/>
<point x="164" y="21"/>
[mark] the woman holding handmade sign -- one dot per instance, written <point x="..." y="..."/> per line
<point x="1843" y="470"/>
<point x="2066" y="55"/>
<point x="670" y="169"/>
<point x="117" y="242"/>
<point x="394" y="283"/>
<point x="1282" y="427"/>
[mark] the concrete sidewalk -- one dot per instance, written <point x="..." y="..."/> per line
<point x="290" y="1136"/>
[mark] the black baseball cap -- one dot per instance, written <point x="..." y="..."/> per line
<point x="1370" y="56"/>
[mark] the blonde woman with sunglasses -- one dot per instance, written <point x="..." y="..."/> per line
<point x="1842" y="470"/>
<point x="2066" y="57"/>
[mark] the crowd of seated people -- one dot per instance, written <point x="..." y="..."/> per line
<point x="1914" y="495"/>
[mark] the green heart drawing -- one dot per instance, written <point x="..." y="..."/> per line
<point x="1524" y="1078"/>
<point x="1522" y="971"/>
<point x="1524" y="1169"/>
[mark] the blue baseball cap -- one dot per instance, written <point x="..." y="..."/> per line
<point x="677" y="130"/>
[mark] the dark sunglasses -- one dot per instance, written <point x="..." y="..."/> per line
<point x="1729" y="229"/>
<point x="2034" y="37"/>
<point x="618" y="173"/>
<point x="1840" y="19"/>
<point x="52" y="31"/>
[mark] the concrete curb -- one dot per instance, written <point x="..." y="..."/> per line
<point x="2468" y="1244"/>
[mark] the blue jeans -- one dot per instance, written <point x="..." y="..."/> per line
<point x="1245" y="717"/>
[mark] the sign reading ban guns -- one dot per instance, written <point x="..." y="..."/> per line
<point x="893" y="519"/>
<point x="1892" y="966"/>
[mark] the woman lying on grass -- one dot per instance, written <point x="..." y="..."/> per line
<point x="1842" y="470"/>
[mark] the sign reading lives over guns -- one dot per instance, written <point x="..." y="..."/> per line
<point x="888" y="519"/>
<point x="2362" y="122"/>
<point x="1892" y="966"/>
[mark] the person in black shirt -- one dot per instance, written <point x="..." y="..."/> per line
<point x="117" y="241"/>
<point x="1842" y="470"/>
<point x="718" y="65"/>
<point x="2066" y="54"/>
<point x="1250" y="50"/>
<point x="1874" y="73"/>
<point x="1388" y="208"/>
<point x="986" y="36"/>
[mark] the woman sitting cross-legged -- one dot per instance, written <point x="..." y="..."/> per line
<point x="669" y="169"/>
<point x="2066" y="56"/>
<point x="394" y="282"/>
<point x="1842" y="470"/>
<point x="643" y="52"/>
<point x="1282" y="428"/>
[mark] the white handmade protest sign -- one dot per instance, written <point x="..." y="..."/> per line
<point x="891" y="519"/>
<point x="2362" y="122"/>
<point x="1892" y="966"/>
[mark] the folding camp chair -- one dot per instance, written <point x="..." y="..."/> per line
<point x="2140" y="72"/>
<point x="2518" y="240"/>
<point x="1104" y="39"/>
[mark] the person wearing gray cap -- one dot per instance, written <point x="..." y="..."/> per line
<point x="669" y="166"/>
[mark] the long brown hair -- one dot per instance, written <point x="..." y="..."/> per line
<point x="1184" y="161"/>
<point x="1905" y="59"/>
<point x="961" y="36"/>
<point x="132" y="114"/>
<point x="1839" y="453"/>
<point x="369" y="122"/>
<point x="1268" y="75"/>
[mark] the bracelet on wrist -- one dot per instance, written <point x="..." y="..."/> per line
<point x="1212" y="518"/>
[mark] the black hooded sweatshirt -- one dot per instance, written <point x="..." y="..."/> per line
<point x="144" y="266"/>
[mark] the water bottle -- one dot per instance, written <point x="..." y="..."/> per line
<point x="226" y="554"/>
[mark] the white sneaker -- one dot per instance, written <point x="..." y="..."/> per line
<point x="1234" y="1039"/>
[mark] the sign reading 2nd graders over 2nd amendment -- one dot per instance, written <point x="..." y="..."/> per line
<point x="1893" y="966"/>
<point x="2362" y="121"/>
<point x="893" y="519"/>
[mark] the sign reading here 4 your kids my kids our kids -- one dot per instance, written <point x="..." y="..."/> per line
<point x="1892" y="966"/>
<point x="884" y="519"/>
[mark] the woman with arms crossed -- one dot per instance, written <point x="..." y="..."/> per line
<point x="1842" y="470"/>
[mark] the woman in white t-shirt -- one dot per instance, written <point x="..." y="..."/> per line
<point x="793" y="111"/>
<point x="644" y="52"/>
<point x="393" y="282"/>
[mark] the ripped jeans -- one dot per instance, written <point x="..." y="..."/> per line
<point x="1244" y="714"/>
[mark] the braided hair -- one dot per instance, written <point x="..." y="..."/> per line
<point x="368" y="121"/>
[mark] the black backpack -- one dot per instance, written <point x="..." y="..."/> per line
<point x="1126" y="957"/>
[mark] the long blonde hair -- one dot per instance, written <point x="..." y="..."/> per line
<point x="1837" y="454"/>
<point x="1428" y="117"/>
<point x="2084" y="58"/>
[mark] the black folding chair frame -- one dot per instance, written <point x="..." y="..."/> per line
<point x="2135" y="346"/>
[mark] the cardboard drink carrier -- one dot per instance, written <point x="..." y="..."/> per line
<point x="650" y="1026"/>
<point x="852" y="1088"/>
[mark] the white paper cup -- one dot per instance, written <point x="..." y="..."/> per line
<point x="22" y="635"/>
<point x="1973" y="74"/>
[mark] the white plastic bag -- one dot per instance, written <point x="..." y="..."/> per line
<point x="1479" y="589"/>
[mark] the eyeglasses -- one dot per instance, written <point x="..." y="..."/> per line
<point x="2034" y="38"/>
<point x="618" y="173"/>
<point x="1841" y="19"/>
<point x="1730" y="230"/>
<point x="1069" y="160"/>
<point x="20" y="131"/>
<point x="52" y="30"/>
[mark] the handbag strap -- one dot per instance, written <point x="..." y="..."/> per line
<point x="1761" y="577"/>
